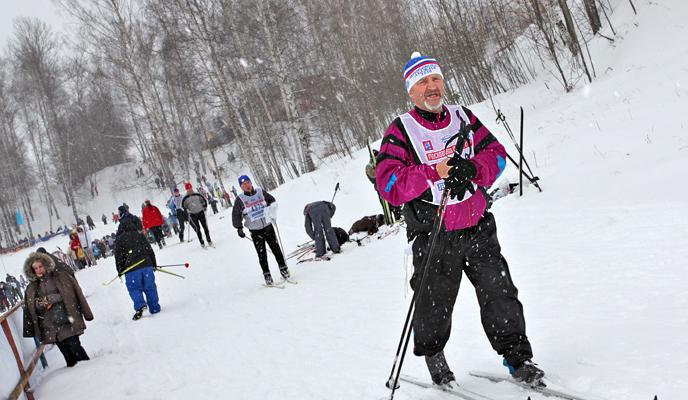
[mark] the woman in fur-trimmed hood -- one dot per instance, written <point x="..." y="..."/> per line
<point x="55" y="308"/>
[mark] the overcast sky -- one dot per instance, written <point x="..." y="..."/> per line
<point x="41" y="9"/>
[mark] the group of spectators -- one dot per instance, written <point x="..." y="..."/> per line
<point x="11" y="291"/>
<point x="84" y="252"/>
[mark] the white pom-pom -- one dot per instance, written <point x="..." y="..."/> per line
<point x="415" y="55"/>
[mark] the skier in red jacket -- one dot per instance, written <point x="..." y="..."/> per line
<point x="153" y="220"/>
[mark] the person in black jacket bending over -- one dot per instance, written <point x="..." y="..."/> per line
<point x="252" y="206"/>
<point x="133" y="249"/>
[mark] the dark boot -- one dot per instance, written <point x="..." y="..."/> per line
<point x="138" y="314"/>
<point x="527" y="372"/>
<point x="439" y="370"/>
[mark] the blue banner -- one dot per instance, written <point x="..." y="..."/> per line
<point x="20" y="217"/>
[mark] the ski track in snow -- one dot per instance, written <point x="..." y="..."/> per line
<point x="599" y="259"/>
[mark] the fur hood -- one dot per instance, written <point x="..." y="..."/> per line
<point x="44" y="258"/>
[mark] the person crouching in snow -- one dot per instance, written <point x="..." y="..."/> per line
<point x="55" y="308"/>
<point x="132" y="247"/>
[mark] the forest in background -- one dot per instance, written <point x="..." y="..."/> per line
<point x="282" y="83"/>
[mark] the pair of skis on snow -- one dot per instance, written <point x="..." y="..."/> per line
<point x="282" y="284"/>
<point x="385" y="231"/>
<point x="306" y="253"/>
<point x="466" y="394"/>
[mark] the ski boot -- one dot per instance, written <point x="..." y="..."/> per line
<point x="211" y="244"/>
<point x="439" y="370"/>
<point x="202" y="245"/>
<point x="285" y="272"/>
<point x="139" y="313"/>
<point x="268" y="279"/>
<point x="527" y="372"/>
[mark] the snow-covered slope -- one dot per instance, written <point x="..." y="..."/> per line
<point x="599" y="258"/>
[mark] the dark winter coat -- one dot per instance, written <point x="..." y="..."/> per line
<point x="129" y="219"/>
<point x="342" y="236"/>
<point x="369" y="224"/>
<point x="131" y="247"/>
<point x="152" y="217"/>
<point x="65" y="317"/>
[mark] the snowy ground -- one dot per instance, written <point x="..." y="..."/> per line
<point x="599" y="258"/>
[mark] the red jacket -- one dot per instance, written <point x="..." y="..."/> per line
<point x="152" y="217"/>
<point x="74" y="243"/>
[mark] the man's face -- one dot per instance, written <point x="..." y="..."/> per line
<point x="428" y="93"/>
<point x="247" y="186"/>
<point x="38" y="268"/>
<point x="176" y="194"/>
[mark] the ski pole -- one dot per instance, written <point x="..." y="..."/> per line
<point x="186" y="265"/>
<point x="530" y="178"/>
<point x="299" y="253"/>
<point x="168" y="272"/>
<point x="502" y="118"/>
<point x="279" y="238"/>
<point x="393" y="379"/>
<point x="123" y="272"/>
<point x="520" y="160"/>
<point x="336" y="189"/>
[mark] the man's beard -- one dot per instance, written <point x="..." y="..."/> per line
<point x="434" y="108"/>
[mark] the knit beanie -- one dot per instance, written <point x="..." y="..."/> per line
<point x="419" y="67"/>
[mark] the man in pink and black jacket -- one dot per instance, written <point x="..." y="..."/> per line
<point x="431" y="147"/>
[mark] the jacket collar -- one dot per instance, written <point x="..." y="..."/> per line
<point x="432" y="116"/>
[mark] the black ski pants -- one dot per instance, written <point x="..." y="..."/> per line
<point x="260" y="237"/>
<point x="476" y="252"/>
<point x="182" y="217"/>
<point x="196" y="221"/>
<point x="157" y="233"/>
<point x="72" y="351"/>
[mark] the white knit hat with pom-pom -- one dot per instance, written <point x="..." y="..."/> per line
<point x="419" y="67"/>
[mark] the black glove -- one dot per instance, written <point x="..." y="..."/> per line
<point x="460" y="175"/>
<point x="461" y="169"/>
<point x="241" y="233"/>
<point x="459" y="190"/>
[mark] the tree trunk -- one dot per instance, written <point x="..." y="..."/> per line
<point x="593" y="15"/>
